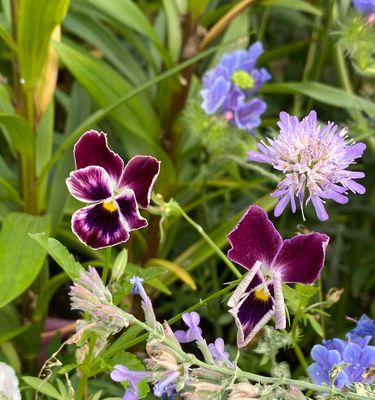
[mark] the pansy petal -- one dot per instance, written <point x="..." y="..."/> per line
<point x="254" y="239"/>
<point x="130" y="215"/>
<point x="98" y="227"/>
<point x="302" y="258"/>
<point x="140" y="175"/>
<point x="92" y="149"/>
<point x="90" y="184"/>
<point x="250" y="317"/>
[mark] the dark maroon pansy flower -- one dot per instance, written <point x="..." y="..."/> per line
<point x="271" y="261"/>
<point x="113" y="190"/>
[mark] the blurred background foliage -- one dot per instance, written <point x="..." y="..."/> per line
<point x="133" y="69"/>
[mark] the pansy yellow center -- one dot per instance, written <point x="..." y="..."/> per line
<point x="243" y="80"/>
<point x="261" y="294"/>
<point x="110" y="205"/>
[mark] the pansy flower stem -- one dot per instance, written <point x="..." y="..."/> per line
<point x="107" y="263"/>
<point x="211" y="243"/>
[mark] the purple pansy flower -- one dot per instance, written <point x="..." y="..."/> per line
<point x="365" y="327"/>
<point x="355" y="352"/>
<point x="230" y="86"/>
<point x="271" y="261"/>
<point x="194" y="332"/>
<point x="113" y="190"/>
<point x="366" y="7"/>
<point x="314" y="161"/>
<point x="121" y="373"/>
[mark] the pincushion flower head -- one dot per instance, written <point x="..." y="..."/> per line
<point x="314" y="161"/>
<point x="230" y="87"/>
<point x="112" y="189"/>
<point x="271" y="261"/>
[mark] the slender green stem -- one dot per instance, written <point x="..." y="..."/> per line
<point x="211" y="243"/>
<point x="300" y="355"/>
<point x="237" y="373"/>
<point x="107" y="263"/>
<point x="321" y="300"/>
<point x="82" y="387"/>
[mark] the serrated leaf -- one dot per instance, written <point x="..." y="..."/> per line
<point x="60" y="254"/>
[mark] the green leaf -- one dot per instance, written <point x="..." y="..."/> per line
<point x="42" y="386"/>
<point x="6" y="105"/>
<point x="8" y="192"/>
<point x="315" y="325"/>
<point x="323" y="93"/>
<point x="174" y="28"/>
<point x="60" y="254"/>
<point x="7" y="39"/>
<point x="20" y="259"/>
<point x="36" y="22"/>
<point x="299" y="5"/>
<point x="129" y="14"/>
<point x="18" y="133"/>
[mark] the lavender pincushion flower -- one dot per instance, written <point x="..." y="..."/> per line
<point x="366" y="7"/>
<point x="314" y="161"/>
<point x="271" y="261"/>
<point x="229" y="88"/>
<point x="112" y="189"/>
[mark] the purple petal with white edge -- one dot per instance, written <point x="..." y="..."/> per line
<point x="140" y="175"/>
<point x="92" y="149"/>
<point x="90" y="184"/>
<point x="98" y="227"/>
<point x="255" y="238"/>
<point x="280" y="317"/>
<point x="301" y="258"/>
<point x="251" y="316"/>
<point x="129" y="211"/>
<point x="214" y="97"/>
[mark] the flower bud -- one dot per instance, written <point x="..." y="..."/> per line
<point x="244" y="391"/>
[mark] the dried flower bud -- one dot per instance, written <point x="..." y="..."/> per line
<point x="334" y="295"/>
<point x="243" y="391"/>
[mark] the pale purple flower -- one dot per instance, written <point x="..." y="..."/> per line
<point x="229" y="88"/>
<point x="122" y="373"/>
<point x="167" y="386"/>
<point x="217" y="350"/>
<point x="271" y="261"/>
<point x="314" y="161"/>
<point x="194" y="332"/>
<point x="366" y="7"/>
<point x="355" y="352"/>
<point x="146" y="301"/>
<point x="112" y="189"/>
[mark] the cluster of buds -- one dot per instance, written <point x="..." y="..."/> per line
<point x="90" y="296"/>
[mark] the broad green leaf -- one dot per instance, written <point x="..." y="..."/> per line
<point x="60" y="254"/>
<point x="316" y="325"/>
<point x="8" y="192"/>
<point x="42" y="386"/>
<point x="299" y="5"/>
<point x="127" y="12"/>
<point x="174" y="28"/>
<point x="36" y="22"/>
<point x="7" y="39"/>
<point x="174" y="269"/>
<point x="19" y="134"/>
<point x="6" y="105"/>
<point x="104" y="40"/>
<point x="20" y="258"/>
<point x="105" y="85"/>
<point x="323" y="93"/>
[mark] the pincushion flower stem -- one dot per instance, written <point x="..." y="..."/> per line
<point x="211" y="243"/>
